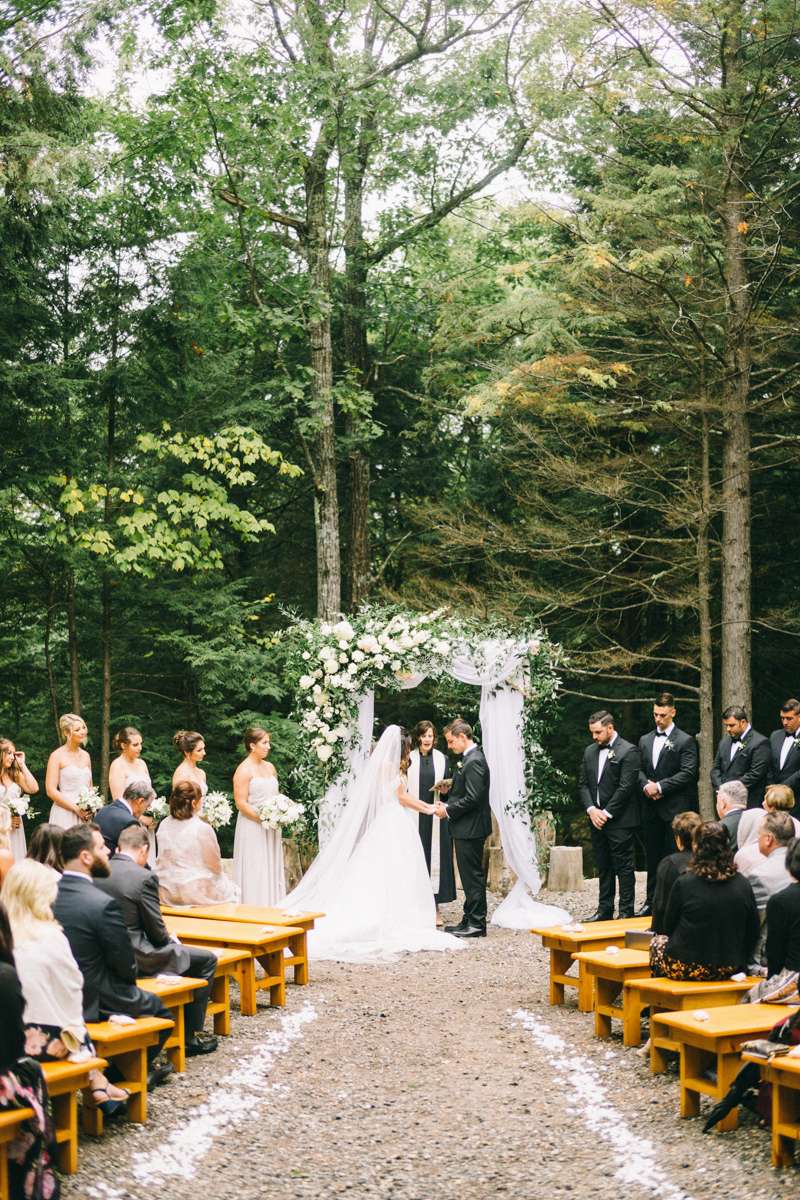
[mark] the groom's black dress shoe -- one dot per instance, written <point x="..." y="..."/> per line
<point x="469" y="932"/>
<point x="645" y="911"/>
<point x="455" y="928"/>
<point x="599" y="916"/>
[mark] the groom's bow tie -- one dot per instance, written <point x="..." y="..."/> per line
<point x="661" y="733"/>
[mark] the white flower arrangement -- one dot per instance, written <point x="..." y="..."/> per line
<point x="90" y="800"/>
<point x="159" y="808"/>
<point x="18" y="804"/>
<point x="279" y="811"/>
<point x="216" y="809"/>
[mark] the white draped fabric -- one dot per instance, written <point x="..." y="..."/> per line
<point x="501" y="716"/>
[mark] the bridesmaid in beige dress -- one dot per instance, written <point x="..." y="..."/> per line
<point x="130" y="768"/>
<point x="69" y="771"/>
<point x="15" y="780"/>
<point x="193" y="749"/>
<point x="257" y="852"/>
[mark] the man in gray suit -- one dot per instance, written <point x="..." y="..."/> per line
<point x="731" y="803"/>
<point x="769" y="875"/>
<point x="156" y="951"/>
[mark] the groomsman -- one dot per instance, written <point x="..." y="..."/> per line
<point x="607" y="785"/>
<point x="667" y="778"/>
<point x="785" y="748"/>
<point x="744" y="755"/>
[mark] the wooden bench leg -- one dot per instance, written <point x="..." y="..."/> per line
<point x="273" y="965"/>
<point x="631" y="1018"/>
<point x="133" y="1066"/>
<point x="784" y="1112"/>
<point x="658" y="1054"/>
<point x="177" y="1054"/>
<point x="606" y="992"/>
<point x="4" y="1192"/>
<point x="247" y="988"/>
<point x="91" y="1116"/>
<point x="693" y="1063"/>
<point x="65" y="1120"/>
<point x="221" y="994"/>
<point x="560" y="963"/>
<point x="585" y="989"/>
<point x="299" y="948"/>
<point x="727" y="1070"/>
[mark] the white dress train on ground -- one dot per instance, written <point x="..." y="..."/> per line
<point x="258" y="852"/>
<point x="19" y="847"/>
<point x="71" y="781"/>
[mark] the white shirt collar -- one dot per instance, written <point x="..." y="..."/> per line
<point x="669" y="731"/>
<point x="78" y="875"/>
<point x="608" y="745"/>
<point x="469" y="749"/>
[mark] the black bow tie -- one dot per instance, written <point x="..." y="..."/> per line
<point x="660" y="734"/>
<point x="790" y="735"/>
<point x="736" y="741"/>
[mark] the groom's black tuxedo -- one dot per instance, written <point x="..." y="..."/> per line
<point x="470" y="825"/>
<point x="613" y="844"/>
<point x="676" y="773"/>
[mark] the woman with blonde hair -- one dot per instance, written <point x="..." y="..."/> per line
<point x="6" y="857"/>
<point x="15" y="779"/>
<point x="69" y="772"/>
<point x="189" y="864"/>
<point x="777" y="798"/>
<point x="257" y="852"/>
<point x="130" y="768"/>
<point x="52" y="984"/>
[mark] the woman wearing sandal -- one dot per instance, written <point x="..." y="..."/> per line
<point x="52" y="985"/>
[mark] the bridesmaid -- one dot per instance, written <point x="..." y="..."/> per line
<point x="193" y="749"/>
<point x="257" y="852"/>
<point x="69" y="771"/>
<point x="15" y="778"/>
<point x="426" y="766"/>
<point x="129" y="768"/>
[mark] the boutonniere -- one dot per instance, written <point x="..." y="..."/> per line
<point x="611" y="754"/>
<point x="460" y="763"/>
<point x="669" y="744"/>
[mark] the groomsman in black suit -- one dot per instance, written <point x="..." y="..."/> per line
<point x="608" y="784"/>
<point x="667" y="779"/>
<point x="470" y="824"/>
<point x="744" y="755"/>
<point x="785" y="749"/>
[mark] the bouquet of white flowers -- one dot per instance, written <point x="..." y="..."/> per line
<point x="18" y="804"/>
<point x="278" y="811"/>
<point x="159" y="808"/>
<point x="90" y="800"/>
<point x="217" y="809"/>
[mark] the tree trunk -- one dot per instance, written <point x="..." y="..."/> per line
<point x="105" y="637"/>
<point x="49" y="666"/>
<point x="105" y="708"/>
<point x="72" y="641"/>
<point x="706" y="739"/>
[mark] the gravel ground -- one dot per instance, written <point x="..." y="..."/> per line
<point x="441" y="1076"/>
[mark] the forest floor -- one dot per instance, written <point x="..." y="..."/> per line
<point x="440" y="1077"/>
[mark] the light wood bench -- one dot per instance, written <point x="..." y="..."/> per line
<point x="127" y="1046"/>
<point x="64" y="1080"/>
<point x="610" y="972"/>
<point x="11" y="1122"/>
<point x="229" y="964"/>
<point x="671" y="995"/>
<point x="263" y="942"/>
<point x="175" y="996"/>
<point x="257" y="915"/>
<point x="784" y="1075"/>
<point x="563" y="944"/>
<point x="716" y="1041"/>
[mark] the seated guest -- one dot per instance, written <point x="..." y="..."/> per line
<point x="120" y="814"/>
<point x="45" y="847"/>
<point x="783" y="919"/>
<point x="52" y="985"/>
<point x="156" y="952"/>
<point x="683" y="827"/>
<point x="777" y="798"/>
<point x="731" y="805"/>
<point x="31" y="1156"/>
<point x="769" y="875"/>
<point x="6" y="857"/>
<point x="712" y="922"/>
<point x="96" y="932"/>
<point x="189" y="864"/>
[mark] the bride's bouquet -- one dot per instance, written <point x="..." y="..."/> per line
<point x="159" y="808"/>
<point x="18" y="804"/>
<point x="216" y="809"/>
<point x="89" y="800"/>
<point x="278" y="811"/>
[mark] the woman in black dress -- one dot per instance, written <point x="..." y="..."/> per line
<point x="427" y="766"/>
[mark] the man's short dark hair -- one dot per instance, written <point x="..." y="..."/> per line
<point x="459" y="728"/>
<point x="133" y="837"/>
<point x="780" y="825"/>
<point x="736" y="711"/>
<point x="77" y="839"/>
<point x="605" y="718"/>
<point x="140" y="789"/>
<point x="664" y="700"/>
<point x="791" y="706"/>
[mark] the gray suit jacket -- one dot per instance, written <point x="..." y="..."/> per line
<point x="136" y="890"/>
<point x="767" y="878"/>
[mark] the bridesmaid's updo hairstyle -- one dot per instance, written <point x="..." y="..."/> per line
<point x="185" y="740"/>
<point x="124" y="736"/>
<point x="405" y="750"/>
<point x="419" y="731"/>
<point x="67" y="723"/>
<point x="251" y="736"/>
<point x="183" y="797"/>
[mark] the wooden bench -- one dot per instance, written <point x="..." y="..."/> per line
<point x="11" y="1122"/>
<point x="715" y="1042"/>
<point x="563" y="944"/>
<point x="263" y="942"/>
<point x="64" y="1080"/>
<point x="671" y="995"/>
<point x="219" y="1005"/>
<point x="784" y="1075"/>
<point x="610" y="972"/>
<point x="256" y="915"/>
<point x="126" y="1046"/>
<point x="175" y="996"/>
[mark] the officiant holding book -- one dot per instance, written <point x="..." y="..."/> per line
<point x="428" y="766"/>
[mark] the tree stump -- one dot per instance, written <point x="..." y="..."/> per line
<point x="566" y="869"/>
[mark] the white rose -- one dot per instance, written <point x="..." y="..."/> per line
<point x="351" y="670"/>
<point x="396" y="665"/>
<point x="343" y="631"/>
<point x="357" y="656"/>
<point x="317" y="674"/>
<point x="306" y="655"/>
<point x="380" y="661"/>
<point x="331" y="736"/>
<point x="306" y="681"/>
<point x="325" y="629"/>
<point x="534" y="646"/>
<point x="331" y="666"/>
<point x="342" y="658"/>
<point x="406" y="642"/>
<point x="317" y="689"/>
<point x="342" y="644"/>
<point x="383" y="638"/>
<point x="342" y="731"/>
<point x="324" y="753"/>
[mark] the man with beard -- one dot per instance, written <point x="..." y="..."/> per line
<point x="101" y="946"/>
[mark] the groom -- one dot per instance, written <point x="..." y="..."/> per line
<point x="470" y="825"/>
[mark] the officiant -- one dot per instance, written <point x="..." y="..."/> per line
<point x="427" y="766"/>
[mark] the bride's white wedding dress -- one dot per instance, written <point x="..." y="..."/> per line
<point x="371" y="879"/>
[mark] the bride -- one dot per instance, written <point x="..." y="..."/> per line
<point x="371" y="880"/>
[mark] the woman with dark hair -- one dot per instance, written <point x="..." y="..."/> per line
<point x="427" y="766"/>
<point x="129" y="768"/>
<point x="193" y="748"/>
<point x="45" y="847"/>
<point x="15" y="780"/>
<point x="257" y="851"/>
<point x="189" y="864"/>
<point x="783" y="919"/>
<point x="712" y="921"/>
<point x="683" y="827"/>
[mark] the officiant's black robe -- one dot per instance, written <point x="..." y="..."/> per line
<point x="447" y="873"/>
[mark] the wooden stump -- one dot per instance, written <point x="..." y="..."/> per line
<point x="566" y="869"/>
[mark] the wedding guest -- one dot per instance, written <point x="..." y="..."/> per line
<point x="257" y="852"/>
<point x="128" y="810"/>
<point x="52" y="984"/>
<point x="667" y="779"/>
<point x="31" y="1156"/>
<point x="96" y="932"/>
<point x="712" y="922"/>
<point x="731" y="805"/>
<point x="136" y="890"/>
<point x="769" y="875"/>
<point x="742" y="755"/>
<point x="783" y="919"/>
<point x="15" y="780"/>
<point x="683" y="827"/>
<point x="127" y="769"/>
<point x="6" y="857"/>
<point x="193" y="749"/>
<point x="785" y="747"/>
<point x="189" y="864"/>
<point x="427" y="766"/>
<point x="777" y="798"/>
<point x="69" y="772"/>
<point x="45" y="847"/>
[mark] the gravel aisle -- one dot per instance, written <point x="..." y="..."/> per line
<point x="443" y="1076"/>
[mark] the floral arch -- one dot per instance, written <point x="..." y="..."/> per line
<point x="336" y="667"/>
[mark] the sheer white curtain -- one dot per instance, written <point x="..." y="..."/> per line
<point x="357" y="755"/>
